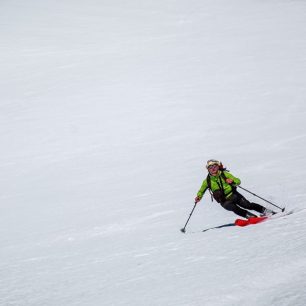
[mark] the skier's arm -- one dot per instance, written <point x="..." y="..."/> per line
<point x="201" y="191"/>
<point x="232" y="180"/>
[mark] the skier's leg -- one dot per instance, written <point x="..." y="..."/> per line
<point x="231" y="206"/>
<point x="243" y="202"/>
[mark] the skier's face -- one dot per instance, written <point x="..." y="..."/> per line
<point x="213" y="169"/>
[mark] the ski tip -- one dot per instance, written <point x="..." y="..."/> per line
<point x="241" y="222"/>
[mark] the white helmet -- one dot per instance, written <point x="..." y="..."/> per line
<point x="212" y="162"/>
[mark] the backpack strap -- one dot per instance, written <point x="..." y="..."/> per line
<point x="208" y="180"/>
<point x="224" y="177"/>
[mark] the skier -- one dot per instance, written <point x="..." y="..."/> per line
<point x="222" y="186"/>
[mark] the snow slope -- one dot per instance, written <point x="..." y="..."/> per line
<point x="109" y="111"/>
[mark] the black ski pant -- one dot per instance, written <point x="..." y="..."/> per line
<point x="236" y="202"/>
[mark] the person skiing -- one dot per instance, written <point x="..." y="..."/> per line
<point x="222" y="186"/>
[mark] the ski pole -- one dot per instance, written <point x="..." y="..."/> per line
<point x="183" y="230"/>
<point x="282" y="209"/>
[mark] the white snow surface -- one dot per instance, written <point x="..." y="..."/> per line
<point x="109" y="111"/>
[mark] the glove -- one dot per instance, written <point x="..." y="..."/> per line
<point x="197" y="199"/>
<point x="229" y="181"/>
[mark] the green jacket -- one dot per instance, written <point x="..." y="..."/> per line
<point x="216" y="181"/>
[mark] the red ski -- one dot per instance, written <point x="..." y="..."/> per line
<point x="252" y="220"/>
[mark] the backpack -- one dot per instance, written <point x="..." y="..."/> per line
<point x="219" y="194"/>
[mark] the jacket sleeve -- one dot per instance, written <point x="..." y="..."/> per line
<point x="236" y="180"/>
<point x="202" y="189"/>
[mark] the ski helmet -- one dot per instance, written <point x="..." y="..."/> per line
<point x="212" y="162"/>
